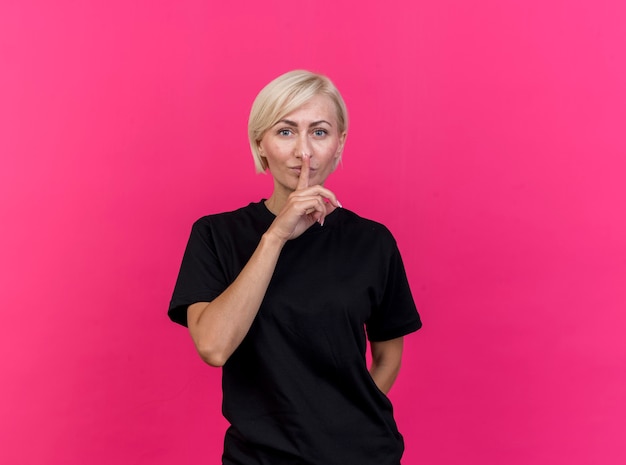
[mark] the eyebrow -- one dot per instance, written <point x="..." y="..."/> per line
<point x="295" y="125"/>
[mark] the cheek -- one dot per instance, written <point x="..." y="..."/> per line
<point x="275" y="150"/>
<point x="333" y="152"/>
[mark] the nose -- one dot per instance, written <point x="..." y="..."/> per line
<point x="303" y="146"/>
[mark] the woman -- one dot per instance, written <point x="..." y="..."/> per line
<point x="279" y="293"/>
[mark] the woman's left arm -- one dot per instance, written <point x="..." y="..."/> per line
<point x="386" y="359"/>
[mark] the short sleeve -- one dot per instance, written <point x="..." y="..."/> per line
<point x="201" y="277"/>
<point x="396" y="314"/>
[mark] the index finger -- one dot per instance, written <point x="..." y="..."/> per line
<point x="305" y="167"/>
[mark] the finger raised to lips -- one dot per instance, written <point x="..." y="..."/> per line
<point x="303" y="180"/>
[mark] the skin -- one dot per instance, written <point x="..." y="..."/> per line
<point x="301" y="150"/>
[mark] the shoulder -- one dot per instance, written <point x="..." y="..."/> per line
<point x="363" y="235"/>
<point x="252" y="214"/>
<point x="350" y="220"/>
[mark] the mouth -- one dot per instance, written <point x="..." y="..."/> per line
<point x="298" y="169"/>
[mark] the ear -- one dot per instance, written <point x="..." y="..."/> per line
<point x="342" y="141"/>
<point x="339" y="152"/>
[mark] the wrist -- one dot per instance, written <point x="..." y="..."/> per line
<point x="271" y="240"/>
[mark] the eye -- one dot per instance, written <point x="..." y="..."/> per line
<point x="320" y="132"/>
<point x="284" y="132"/>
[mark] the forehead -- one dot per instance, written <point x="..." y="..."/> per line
<point x="318" y="107"/>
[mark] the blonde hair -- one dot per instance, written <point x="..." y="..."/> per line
<point x="283" y="95"/>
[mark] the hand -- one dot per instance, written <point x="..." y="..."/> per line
<point x="305" y="206"/>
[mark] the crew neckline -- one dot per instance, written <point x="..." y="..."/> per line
<point x="330" y="219"/>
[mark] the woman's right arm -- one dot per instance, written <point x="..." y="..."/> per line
<point x="217" y="328"/>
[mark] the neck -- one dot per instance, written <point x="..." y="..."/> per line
<point x="278" y="199"/>
<point x="275" y="204"/>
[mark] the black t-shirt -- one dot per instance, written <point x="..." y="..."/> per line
<point x="297" y="389"/>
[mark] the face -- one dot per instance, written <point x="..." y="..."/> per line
<point x="310" y="129"/>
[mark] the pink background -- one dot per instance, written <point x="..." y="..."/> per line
<point x="488" y="136"/>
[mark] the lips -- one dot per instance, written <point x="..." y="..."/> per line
<point x="297" y="169"/>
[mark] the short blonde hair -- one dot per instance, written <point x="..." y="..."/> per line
<point x="283" y="95"/>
